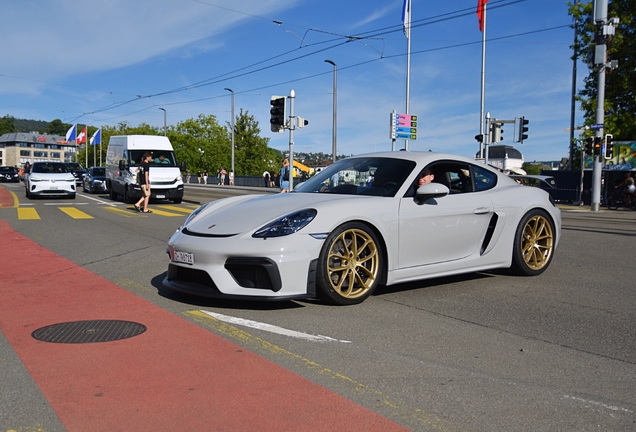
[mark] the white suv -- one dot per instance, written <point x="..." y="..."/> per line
<point x="49" y="179"/>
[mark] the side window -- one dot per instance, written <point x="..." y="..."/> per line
<point x="484" y="179"/>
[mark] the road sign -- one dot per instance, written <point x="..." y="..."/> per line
<point x="403" y="126"/>
<point x="597" y="126"/>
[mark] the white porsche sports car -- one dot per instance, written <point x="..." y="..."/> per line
<point x="364" y="221"/>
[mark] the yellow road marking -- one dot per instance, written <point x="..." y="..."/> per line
<point x="15" y="200"/>
<point x="28" y="213"/>
<point x="75" y="213"/>
<point x="124" y="213"/>
<point x="179" y="209"/>
<point x="164" y="213"/>
<point x="395" y="408"/>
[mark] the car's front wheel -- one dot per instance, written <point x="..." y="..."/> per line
<point x="534" y="244"/>
<point x="350" y="265"/>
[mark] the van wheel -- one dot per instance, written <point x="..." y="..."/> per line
<point x="177" y="200"/>
<point x="111" y="192"/>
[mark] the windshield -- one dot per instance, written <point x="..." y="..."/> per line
<point x="99" y="172"/>
<point x="163" y="158"/>
<point x="6" y="169"/>
<point x="49" y="168"/>
<point x="74" y="166"/>
<point x="360" y="176"/>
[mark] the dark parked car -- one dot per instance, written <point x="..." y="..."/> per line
<point x="9" y="174"/>
<point x="77" y="170"/>
<point x="95" y="180"/>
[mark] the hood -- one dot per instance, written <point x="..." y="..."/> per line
<point x="247" y="213"/>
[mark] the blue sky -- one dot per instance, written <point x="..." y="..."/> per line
<point x="102" y="63"/>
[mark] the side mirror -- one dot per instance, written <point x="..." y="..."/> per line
<point x="430" y="191"/>
<point x="122" y="165"/>
<point x="182" y="166"/>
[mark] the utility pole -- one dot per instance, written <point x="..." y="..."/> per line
<point x="292" y="126"/>
<point x="605" y="30"/>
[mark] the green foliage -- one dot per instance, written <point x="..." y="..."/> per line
<point x="620" y="83"/>
<point x="7" y="124"/>
<point x="533" y="169"/>
<point x="56" y="127"/>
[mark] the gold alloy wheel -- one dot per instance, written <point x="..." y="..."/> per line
<point x="537" y="242"/>
<point x="353" y="263"/>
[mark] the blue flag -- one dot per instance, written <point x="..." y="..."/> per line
<point x="97" y="137"/>
<point x="71" y="134"/>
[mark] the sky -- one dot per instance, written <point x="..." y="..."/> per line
<point x="113" y="61"/>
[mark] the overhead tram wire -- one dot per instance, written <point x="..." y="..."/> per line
<point x="349" y="38"/>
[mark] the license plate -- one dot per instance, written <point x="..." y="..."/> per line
<point x="53" y="187"/>
<point x="183" y="257"/>
<point x="160" y="196"/>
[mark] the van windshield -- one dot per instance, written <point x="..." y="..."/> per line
<point x="164" y="158"/>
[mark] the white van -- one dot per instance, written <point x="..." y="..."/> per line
<point x="124" y="154"/>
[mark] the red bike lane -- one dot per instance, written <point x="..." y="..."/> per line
<point x="173" y="376"/>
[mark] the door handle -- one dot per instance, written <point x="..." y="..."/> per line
<point x="481" y="210"/>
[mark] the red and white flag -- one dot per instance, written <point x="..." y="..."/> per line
<point x="81" y="137"/>
<point x="481" y="12"/>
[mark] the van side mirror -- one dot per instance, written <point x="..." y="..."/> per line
<point x="182" y="166"/>
<point x="426" y="192"/>
<point x="122" y="165"/>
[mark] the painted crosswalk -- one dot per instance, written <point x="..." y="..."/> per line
<point x="30" y="213"/>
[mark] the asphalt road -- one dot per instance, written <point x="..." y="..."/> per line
<point x="485" y="351"/>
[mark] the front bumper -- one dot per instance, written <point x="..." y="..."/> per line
<point x="244" y="267"/>
<point x="134" y="191"/>
<point x="50" y="188"/>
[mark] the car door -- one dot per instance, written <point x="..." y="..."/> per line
<point x="447" y="228"/>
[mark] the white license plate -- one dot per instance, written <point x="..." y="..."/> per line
<point x="183" y="257"/>
<point x="53" y="187"/>
<point x="160" y="196"/>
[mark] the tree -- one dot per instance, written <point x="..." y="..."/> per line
<point x="620" y="83"/>
<point x="56" y="127"/>
<point x="7" y="125"/>
<point x="202" y="144"/>
<point x="252" y="156"/>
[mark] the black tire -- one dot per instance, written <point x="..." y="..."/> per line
<point x="73" y="196"/>
<point x="127" y="199"/>
<point x="612" y="203"/>
<point x="534" y="243"/>
<point x="177" y="200"/>
<point x="347" y="275"/>
<point x="26" y="193"/>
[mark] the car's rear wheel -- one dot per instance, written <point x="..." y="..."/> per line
<point x="534" y="244"/>
<point x="349" y="265"/>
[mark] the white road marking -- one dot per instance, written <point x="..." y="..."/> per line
<point x="101" y="201"/>
<point x="599" y="404"/>
<point x="272" y="328"/>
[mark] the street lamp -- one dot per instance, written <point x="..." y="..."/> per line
<point x="335" y="121"/>
<point x="165" y="133"/>
<point x="232" y="91"/>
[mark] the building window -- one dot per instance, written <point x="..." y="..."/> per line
<point x="55" y="155"/>
<point x="54" y="146"/>
<point x="25" y="152"/>
<point x="40" y="154"/>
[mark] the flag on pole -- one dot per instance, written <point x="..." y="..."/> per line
<point x="71" y="133"/>
<point x="481" y="12"/>
<point x="406" y="18"/>
<point x="81" y="137"/>
<point x="97" y="137"/>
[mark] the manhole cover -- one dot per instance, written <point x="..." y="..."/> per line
<point x="88" y="331"/>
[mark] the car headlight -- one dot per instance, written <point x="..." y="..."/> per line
<point x="287" y="224"/>
<point x="35" y="179"/>
<point x="71" y="180"/>
<point x="195" y="213"/>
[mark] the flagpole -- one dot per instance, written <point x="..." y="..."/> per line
<point x="408" y="67"/>
<point x="483" y="84"/>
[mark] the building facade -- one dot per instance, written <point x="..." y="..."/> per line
<point x="18" y="148"/>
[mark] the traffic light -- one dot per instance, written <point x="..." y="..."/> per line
<point x="522" y="129"/>
<point x="277" y="111"/>
<point x="597" y="146"/>
<point x="608" y="149"/>
<point x="495" y="132"/>
<point x="480" y="138"/>
<point x="588" y="145"/>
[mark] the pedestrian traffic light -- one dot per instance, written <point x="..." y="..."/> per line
<point x="277" y="111"/>
<point x="522" y="129"/>
<point x="588" y="145"/>
<point x="608" y="149"/>
<point x="597" y="146"/>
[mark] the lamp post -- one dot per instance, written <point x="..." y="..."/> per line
<point x="335" y="121"/>
<point x="165" y="133"/>
<point x="232" y="91"/>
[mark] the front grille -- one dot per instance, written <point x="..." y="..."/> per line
<point x="260" y="273"/>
